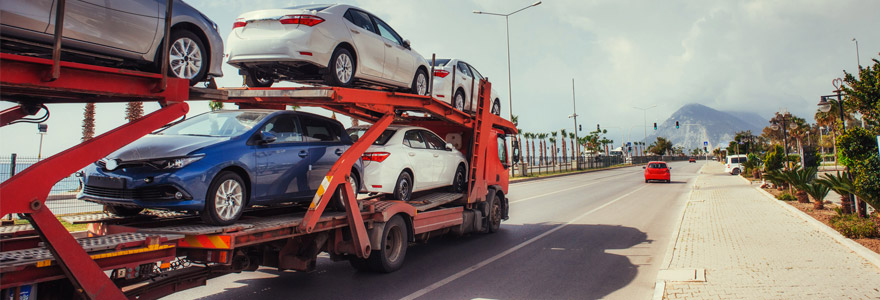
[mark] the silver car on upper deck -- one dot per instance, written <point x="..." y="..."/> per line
<point x="129" y="31"/>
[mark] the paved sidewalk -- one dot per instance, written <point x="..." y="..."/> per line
<point x="753" y="248"/>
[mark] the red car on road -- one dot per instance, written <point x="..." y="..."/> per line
<point x="692" y="160"/>
<point x="657" y="170"/>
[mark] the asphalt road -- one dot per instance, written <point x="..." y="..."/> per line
<point x="588" y="236"/>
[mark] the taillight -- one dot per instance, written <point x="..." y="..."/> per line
<point x="375" y="156"/>
<point x="307" y="20"/>
<point x="441" y="73"/>
<point x="239" y="23"/>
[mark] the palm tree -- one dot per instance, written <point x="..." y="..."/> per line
<point x="526" y="137"/>
<point x="134" y="111"/>
<point x="543" y="137"/>
<point x="799" y="178"/>
<point x="573" y="148"/>
<point x="843" y="186"/>
<point x="88" y="122"/>
<point x="534" y="152"/>
<point x="562" y="142"/>
<point x="554" y="134"/>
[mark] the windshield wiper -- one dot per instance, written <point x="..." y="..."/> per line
<point x="195" y="134"/>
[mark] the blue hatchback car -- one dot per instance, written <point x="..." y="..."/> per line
<point x="220" y="162"/>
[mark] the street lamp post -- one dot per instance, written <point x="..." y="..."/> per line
<point x="574" y="115"/>
<point x="645" y="110"/>
<point x="507" y="25"/>
<point x="825" y="106"/>
<point x="858" y="61"/>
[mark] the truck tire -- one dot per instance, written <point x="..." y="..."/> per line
<point x="389" y="256"/>
<point x="495" y="215"/>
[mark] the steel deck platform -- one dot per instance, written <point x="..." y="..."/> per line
<point x="42" y="257"/>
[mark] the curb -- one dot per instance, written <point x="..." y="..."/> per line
<point x="867" y="254"/>
<point x="567" y="174"/>
<point x="660" y="285"/>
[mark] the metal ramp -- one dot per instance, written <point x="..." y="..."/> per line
<point x="96" y="247"/>
<point x="434" y="200"/>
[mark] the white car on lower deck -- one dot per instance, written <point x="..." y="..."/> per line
<point x="458" y="83"/>
<point x="409" y="159"/>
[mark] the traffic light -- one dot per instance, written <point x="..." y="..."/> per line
<point x="597" y="127"/>
<point x="580" y="127"/>
<point x="655" y="126"/>
<point x="676" y="124"/>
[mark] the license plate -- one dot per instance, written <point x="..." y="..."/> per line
<point x="107" y="182"/>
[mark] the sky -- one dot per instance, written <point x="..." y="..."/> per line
<point x="759" y="56"/>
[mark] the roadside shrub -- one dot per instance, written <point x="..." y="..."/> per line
<point x="853" y="227"/>
<point x="773" y="159"/>
<point x="785" y="196"/>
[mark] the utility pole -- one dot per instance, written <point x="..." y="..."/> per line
<point x="575" y="117"/>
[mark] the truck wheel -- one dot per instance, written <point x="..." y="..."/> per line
<point x="123" y="211"/>
<point x="403" y="188"/>
<point x="389" y="257"/>
<point x="338" y="203"/>
<point x="226" y="199"/>
<point x="494" y="216"/>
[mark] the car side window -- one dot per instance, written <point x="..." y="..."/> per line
<point x="502" y="149"/>
<point x="317" y="130"/>
<point x="388" y="33"/>
<point x="284" y="128"/>
<point x="361" y="19"/>
<point x="463" y="68"/>
<point x="477" y="74"/>
<point x="434" y="141"/>
<point x="414" y="140"/>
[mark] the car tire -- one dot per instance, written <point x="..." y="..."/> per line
<point x="403" y="188"/>
<point x="494" y="216"/>
<point x="646" y="181"/>
<point x="256" y="78"/>
<point x="735" y="171"/>
<point x="123" y="211"/>
<point x="341" y="69"/>
<point x="420" y="83"/>
<point x="338" y="203"/>
<point x="226" y="199"/>
<point x="496" y="107"/>
<point x="182" y="42"/>
<point x="390" y="254"/>
<point x="458" y="100"/>
<point x="459" y="181"/>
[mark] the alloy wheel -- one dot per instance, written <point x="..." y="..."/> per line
<point x="421" y="84"/>
<point x="185" y="58"/>
<point x="228" y="199"/>
<point x="343" y="68"/>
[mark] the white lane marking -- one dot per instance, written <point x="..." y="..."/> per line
<point x="498" y="256"/>
<point x="563" y="190"/>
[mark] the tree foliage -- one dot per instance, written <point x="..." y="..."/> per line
<point x="774" y="158"/>
<point x="863" y="93"/>
<point x="661" y="146"/>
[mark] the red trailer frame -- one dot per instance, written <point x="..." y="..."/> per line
<point x="22" y="81"/>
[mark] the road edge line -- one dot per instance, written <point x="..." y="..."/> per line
<point x="660" y="285"/>
<point x="871" y="256"/>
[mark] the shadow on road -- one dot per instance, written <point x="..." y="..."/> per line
<point x="570" y="263"/>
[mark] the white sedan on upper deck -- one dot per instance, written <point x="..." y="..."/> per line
<point x="335" y="44"/>
<point x="458" y="83"/>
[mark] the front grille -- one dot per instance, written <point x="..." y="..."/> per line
<point x="149" y="193"/>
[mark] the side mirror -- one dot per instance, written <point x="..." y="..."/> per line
<point x="643" y="167"/>
<point x="669" y="168"/>
<point x="450" y="147"/>
<point x="406" y="44"/>
<point x="267" y="137"/>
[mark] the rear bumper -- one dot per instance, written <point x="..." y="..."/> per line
<point x="292" y="46"/>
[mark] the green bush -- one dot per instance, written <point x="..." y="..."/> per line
<point x="773" y="158"/>
<point x="785" y="196"/>
<point x="853" y="227"/>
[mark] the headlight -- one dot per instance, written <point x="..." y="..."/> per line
<point x="176" y="162"/>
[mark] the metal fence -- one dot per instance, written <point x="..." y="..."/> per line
<point x="543" y="165"/>
<point x="62" y="196"/>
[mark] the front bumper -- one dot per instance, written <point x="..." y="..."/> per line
<point x="137" y="187"/>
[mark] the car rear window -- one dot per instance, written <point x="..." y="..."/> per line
<point x="316" y="7"/>
<point x="356" y="133"/>
<point x="441" y="62"/>
<point x="738" y="160"/>
<point x="657" y="166"/>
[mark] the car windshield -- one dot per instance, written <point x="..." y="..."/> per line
<point x="315" y="7"/>
<point x="356" y="133"/>
<point x="441" y="62"/>
<point x="220" y="124"/>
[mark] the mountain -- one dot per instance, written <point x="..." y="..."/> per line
<point x="754" y="119"/>
<point x="699" y="123"/>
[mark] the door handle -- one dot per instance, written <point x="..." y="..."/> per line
<point x="388" y="45"/>
<point x="355" y="31"/>
<point x="339" y="151"/>
<point x="303" y="154"/>
<point x="412" y="154"/>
